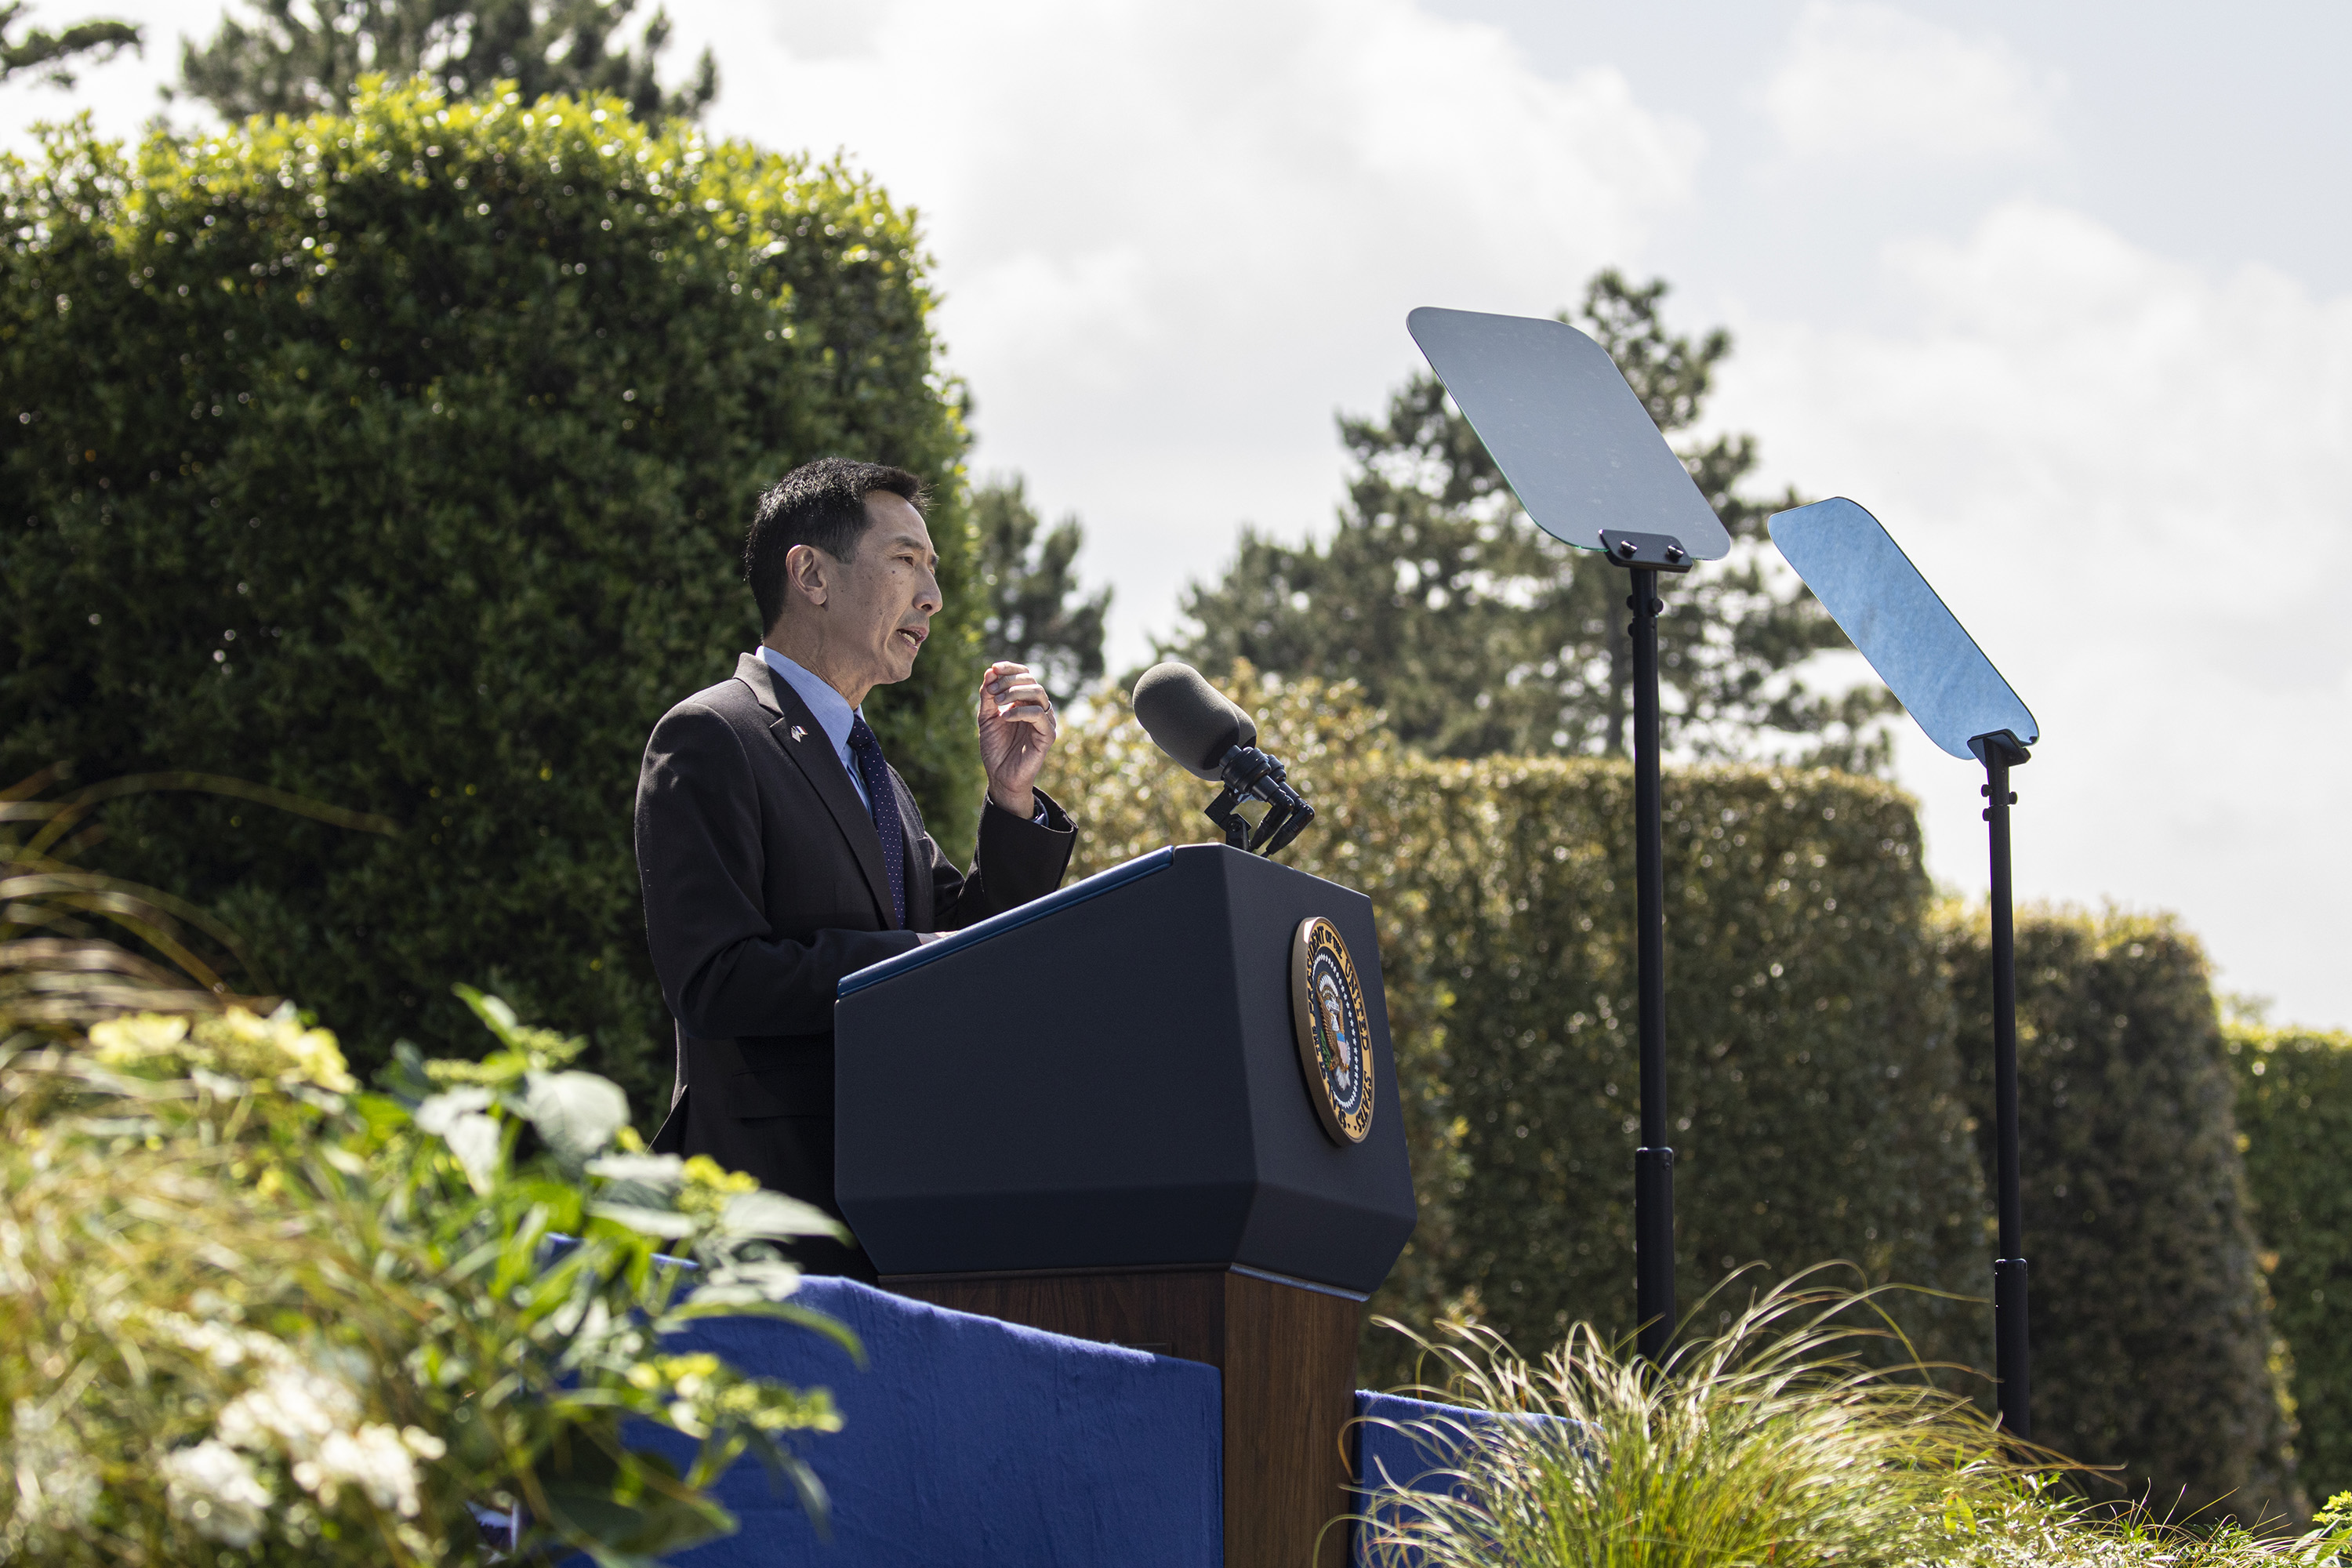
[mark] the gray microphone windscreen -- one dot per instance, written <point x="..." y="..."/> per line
<point x="1189" y="719"/>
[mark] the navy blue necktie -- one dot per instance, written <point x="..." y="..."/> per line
<point x="877" y="774"/>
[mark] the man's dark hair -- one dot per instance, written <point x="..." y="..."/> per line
<point x="821" y="503"/>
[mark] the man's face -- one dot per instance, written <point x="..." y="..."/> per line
<point x="885" y="595"/>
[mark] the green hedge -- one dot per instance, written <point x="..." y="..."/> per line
<point x="1810" y="1069"/>
<point x="2295" y="1109"/>
<point x="1822" y="1097"/>
<point x="401" y="459"/>
<point x="2152" y="1344"/>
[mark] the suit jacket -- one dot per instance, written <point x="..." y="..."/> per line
<point x="764" y="885"/>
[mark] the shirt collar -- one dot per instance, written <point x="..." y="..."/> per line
<point x="830" y="707"/>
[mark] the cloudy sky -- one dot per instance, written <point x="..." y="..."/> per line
<point x="2063" y="294"/>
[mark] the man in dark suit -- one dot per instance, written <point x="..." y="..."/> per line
<point x="779" y="851"/>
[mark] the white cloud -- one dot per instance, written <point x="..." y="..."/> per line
<point x="1867" y="82"/>
<point x="1174" y="239"/>
<point x="2125" y="477"/>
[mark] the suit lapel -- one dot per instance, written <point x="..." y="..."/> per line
<point x="821" y="765"/>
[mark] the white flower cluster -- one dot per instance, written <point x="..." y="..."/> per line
<point x="378" y="1460"/>
<point x="299" y="1413"/>
<point x="57" y="1481"/>
<point x="21" y="1271"/>
<point x="295" y="1408"/>
<point x="214" y="1487"/>
<point x="223" y="1346"/>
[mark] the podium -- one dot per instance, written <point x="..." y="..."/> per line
<point x="1094" y="1115"/>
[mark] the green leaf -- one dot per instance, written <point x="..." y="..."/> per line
<point x="490" y="1010"/>
<point x="694" y="1306"/>
<point x="665" y="1223"/>
<point x="765" y="1213"/>
<point x="576" y="1113"/>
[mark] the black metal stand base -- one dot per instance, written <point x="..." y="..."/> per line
<point x="1654" y="1254"/>
<point x="2010" y="1353"/>
<point x="1653" y="1162"/>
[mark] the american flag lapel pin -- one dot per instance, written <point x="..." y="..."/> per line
<point x="799" y="734"/>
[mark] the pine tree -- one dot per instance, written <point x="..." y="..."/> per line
<point x="49" y="52"/>
<point x="298" y="58"/>
<point x="1035" y="611"/>
<point x="1480" y="634"/>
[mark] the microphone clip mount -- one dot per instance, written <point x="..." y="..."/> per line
<point x="1248" y="774"/>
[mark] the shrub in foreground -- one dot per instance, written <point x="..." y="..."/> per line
<point x="250" y="1312"/>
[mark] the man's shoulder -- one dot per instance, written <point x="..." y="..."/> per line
<point x="729" y="699"/>
<point x="698" y="721"/>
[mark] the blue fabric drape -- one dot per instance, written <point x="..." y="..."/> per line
<point x="1390" y="1455"/>
<point x="968" y="1441"/>
<point x="971" y="1441"/>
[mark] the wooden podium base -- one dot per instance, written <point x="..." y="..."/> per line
<point x="1287" y="1350"/>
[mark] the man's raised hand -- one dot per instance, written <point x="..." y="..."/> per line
<point x="1017" y="727"/>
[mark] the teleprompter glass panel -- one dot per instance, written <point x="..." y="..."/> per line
<point x="1576" y="445"/>
<point x="1920" y="648"/>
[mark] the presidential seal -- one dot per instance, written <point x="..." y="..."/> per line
<point x="1335" y="1049"/>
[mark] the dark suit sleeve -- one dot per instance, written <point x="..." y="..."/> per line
<point x="1017" y="861"/>
<point x="724" y="971"/>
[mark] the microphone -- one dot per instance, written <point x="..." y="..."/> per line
<point x="1191" y="719"/>
<point x="1212" y="738"/>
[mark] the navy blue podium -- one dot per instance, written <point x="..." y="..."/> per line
<point x="1094" y="1115"/>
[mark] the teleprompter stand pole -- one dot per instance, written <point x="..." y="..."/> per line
<point x="1654" y="1161"/>
<point x="2011" y="1351"/>
<point x="1944" y="680"/>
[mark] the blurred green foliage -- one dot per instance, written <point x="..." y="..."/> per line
<point x="250" y="1314"/>
<point x="2295" y="1110"/>
<point x="2153" y="1348"/>
<point x="400" y="460"/>
<point x="1812" y="1053"/>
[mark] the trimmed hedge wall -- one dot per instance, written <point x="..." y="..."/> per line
<point x="2152" y="1343"/>
<point x="402" y="459"/>
<point x="1820" y="1101"/>
<point x="2295" y="1109"/>
<point x="1816" y="1097"/>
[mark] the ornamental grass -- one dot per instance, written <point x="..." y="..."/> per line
<point x="1800" y="1436"/>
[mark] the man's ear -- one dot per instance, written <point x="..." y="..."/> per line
<point x="805" y="576"/>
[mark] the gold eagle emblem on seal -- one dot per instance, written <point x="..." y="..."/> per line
<point x="1335" y="1048"/>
